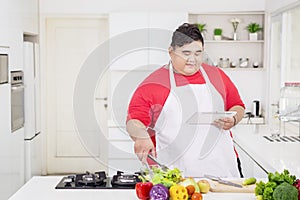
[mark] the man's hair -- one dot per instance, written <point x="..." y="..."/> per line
<point x="186" y="34"/>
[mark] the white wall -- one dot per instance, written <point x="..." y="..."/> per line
<point x="106" y="6"/>
<point x="274" y="5"/>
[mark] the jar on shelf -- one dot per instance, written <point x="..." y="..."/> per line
<point x="220" y="64"/>
<point x="244" y="62"/>
<point x="226" y="63"/>
<point x="255" y="64"/>
<point x="289" y="103"/>
<point x="232" y="65"/>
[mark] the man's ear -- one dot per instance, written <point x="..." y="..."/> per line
<point x="170" y="50"/>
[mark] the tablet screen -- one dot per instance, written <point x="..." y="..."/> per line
<point x="208" y="117"/>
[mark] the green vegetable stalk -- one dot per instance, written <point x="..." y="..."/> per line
<point x="249" y="181"/>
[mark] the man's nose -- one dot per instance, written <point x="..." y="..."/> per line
<point x="191" y="57"/>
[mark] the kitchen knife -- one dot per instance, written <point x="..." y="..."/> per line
<point x="214" y="178"/>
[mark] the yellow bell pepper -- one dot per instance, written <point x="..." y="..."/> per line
<point x="178" y="192"/>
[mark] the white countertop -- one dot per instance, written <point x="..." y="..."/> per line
<point x="43" y="187"/>
<point x="272" y="156"/>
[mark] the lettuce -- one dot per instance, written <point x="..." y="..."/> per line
<point x="167" y="178"/>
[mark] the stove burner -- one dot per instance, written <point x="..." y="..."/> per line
<point x="98" y="180"/>
<point x="89" y="179"/>
<point x="125" y="179"/>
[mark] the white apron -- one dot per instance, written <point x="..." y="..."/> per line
<point x="179" y="144"/>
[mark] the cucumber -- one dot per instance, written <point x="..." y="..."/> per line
<point x="249" y="181"/>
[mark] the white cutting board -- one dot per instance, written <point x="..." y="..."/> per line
<point x="218" y="187"/>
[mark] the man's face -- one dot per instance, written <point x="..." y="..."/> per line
<point x="187" y="59"/>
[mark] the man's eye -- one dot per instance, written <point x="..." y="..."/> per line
<point x="186" y="53"/>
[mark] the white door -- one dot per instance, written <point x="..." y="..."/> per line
<point x="69" y="42"/>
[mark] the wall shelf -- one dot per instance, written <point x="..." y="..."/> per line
<point x="233" y="41"/>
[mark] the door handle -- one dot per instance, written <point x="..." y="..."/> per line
<point x="101" y="98"/>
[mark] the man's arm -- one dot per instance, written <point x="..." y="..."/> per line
<point x="142" y="141"/>
<point x="240" y="111"/>
<point x="230" y="122"/>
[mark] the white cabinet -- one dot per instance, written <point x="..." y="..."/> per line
<point x="144" y="38"/>
<point x="12" y="145"/>
<point x="30" y="18"/>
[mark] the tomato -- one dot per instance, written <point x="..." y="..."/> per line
<point x="196" y="196"/>
<point x="190" y="189"/>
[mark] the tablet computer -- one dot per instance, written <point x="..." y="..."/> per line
<point x="208" y="117"/>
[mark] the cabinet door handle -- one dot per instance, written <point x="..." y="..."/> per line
<point x="101" y="98"/>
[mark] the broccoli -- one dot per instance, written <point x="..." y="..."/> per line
<point x="285" y="191"/>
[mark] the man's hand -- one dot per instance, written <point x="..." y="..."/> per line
<point x="142" y="147"/>
<point x="143" y="144"/>
<point x="228" y="123"/>
<point x="225" y="123"/>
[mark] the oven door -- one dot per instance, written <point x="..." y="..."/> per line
<point x="17" y="107"/>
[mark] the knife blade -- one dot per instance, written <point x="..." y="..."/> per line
<point x="210" y="141"/>
<point x="222" y="181"/>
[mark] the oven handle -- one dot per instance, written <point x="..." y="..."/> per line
<point x="19" y="87"/>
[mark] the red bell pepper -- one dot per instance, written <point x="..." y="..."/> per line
<point x="143" y="190"/>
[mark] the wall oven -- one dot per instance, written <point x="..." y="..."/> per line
<point x="3" y="68"/>
<point x="17" y="100"/>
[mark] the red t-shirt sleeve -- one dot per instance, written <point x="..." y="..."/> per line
<point x="149" y="98"/>
<point x="146" y="106"/>
<point x="232" y="97"/>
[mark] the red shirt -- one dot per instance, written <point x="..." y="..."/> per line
<point x="151" y="95"/>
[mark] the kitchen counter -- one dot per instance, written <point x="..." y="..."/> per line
<point x="43" y="187"/>
<point x="271" y="156"/>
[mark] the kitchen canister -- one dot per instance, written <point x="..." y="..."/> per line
<point x="256" y="108"/>
<point x="289" y="103"/>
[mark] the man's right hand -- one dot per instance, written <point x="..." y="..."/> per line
<point x="143" y="144"/>
<point x="143" y="147"/>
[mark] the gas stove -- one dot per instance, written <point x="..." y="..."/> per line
<point x="99" y="180"/>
